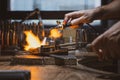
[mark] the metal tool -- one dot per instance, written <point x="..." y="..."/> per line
<point x="15" y="75"/>
<point x="64" y="24"/>
<point x="36" y="11"/>
<point x="60" y="26"/>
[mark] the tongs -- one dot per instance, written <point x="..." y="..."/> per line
<point x="65" y="24"/>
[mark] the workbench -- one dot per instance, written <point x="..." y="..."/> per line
<point x="63" y="72"/>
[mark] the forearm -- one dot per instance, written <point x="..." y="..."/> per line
<point x="110" y="11"/>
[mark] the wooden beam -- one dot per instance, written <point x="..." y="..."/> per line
<point x="44" y="14"/>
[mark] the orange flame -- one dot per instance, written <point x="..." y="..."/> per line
<point x="33" y="41"/>
<point x="54" y="33"/>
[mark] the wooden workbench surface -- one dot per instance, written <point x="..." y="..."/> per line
<point x="54" y="72"/>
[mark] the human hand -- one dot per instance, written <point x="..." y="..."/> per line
<point x="80" y="17"/>
<point x="107" y="45"/>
